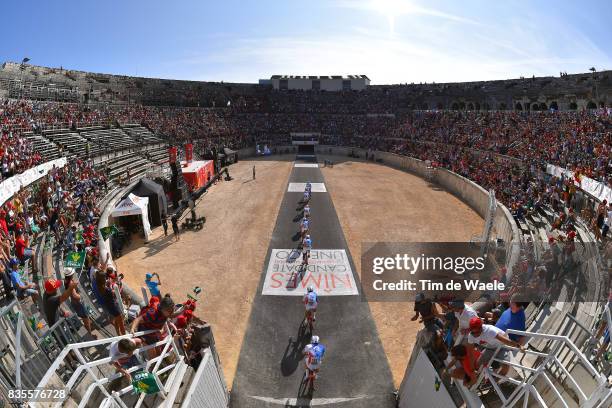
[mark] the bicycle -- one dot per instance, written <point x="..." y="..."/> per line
<point x="309" y="320"/>
<point x="309" y="379"/>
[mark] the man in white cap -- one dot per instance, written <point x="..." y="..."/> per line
<point x="75" y="299"/>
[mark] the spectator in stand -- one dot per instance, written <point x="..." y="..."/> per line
<point x="155" y="317"/>
<point x="490" y="338"/>
<point x="76" y="302"/>
<point x="467" y="358"/>
<point x="104" y="290"/>
<point x="122" y="355"/>
<point x="463" y="314"/>
<point x="6" y="281"/>
<point x="52" y="300"/>
<point x="22" y="288"/>
<point x="428" y="312"/>
<point x="22" y="250"/>
<point x="513" y="318"/>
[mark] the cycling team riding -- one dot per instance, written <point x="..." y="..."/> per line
<point x="313" y="352"/>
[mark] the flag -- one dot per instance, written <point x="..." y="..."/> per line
<point x="144" y="382"/>
<point x="437" y="384"/>
<point x="75" y="259"/>
<point x="108" y="231"/>
<point x="78" y="237"/>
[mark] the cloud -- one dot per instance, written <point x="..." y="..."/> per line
<point x="521" y="44"/>
<point x="398" y="8"/>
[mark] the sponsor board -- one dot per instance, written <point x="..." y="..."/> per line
<point x="328" y="271"/>
<point x="300" y="187"/>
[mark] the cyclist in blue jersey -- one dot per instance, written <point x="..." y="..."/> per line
<point x="313" y="357"/>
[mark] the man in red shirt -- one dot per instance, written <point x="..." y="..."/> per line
<point x="22" y="250"/>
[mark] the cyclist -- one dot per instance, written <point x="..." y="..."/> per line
<point x="313" y="354"/>
<point x="307" y="244"/>
<point x="305" y="226"/>
<point x="306" y="196"/>
<point x="308" y="186"/>
<point x="311" y="301"/>
<point x="307" y="211"/>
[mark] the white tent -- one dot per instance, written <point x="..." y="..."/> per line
<point x="134" y="205"/>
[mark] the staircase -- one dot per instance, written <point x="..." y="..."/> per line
<point x="94" y="381"/>
<point x="560" y="377"/>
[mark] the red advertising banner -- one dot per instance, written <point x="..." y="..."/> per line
<point x="188" y="152"/>
<point x="172" y="153"/>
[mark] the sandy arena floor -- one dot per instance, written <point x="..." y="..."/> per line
<point x="226" y="257"/>
<point x="395" y="206"/>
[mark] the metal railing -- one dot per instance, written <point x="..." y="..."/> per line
<point x="208" y="387"/>
<point x="22" y="361"/>
<point x="93" y="370"/>
<point x="545" y="369"/>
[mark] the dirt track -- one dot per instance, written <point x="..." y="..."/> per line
<point x="378" y="203"/>
<point x="226" y="257"/>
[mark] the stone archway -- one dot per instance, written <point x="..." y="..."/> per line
<point x="470" y="106"/>
<point x="502" y="106"/>
<point x="439" y="106"/>
<point x="455" y="106"/>
<point x="543" y="106"/>
<point x="573" y="106"/>
<point x="518" y="106"/>
<point x="554" y="106"/>
<point x="591" y="105"/>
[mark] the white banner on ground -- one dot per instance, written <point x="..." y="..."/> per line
<point x="307" y="165"/>
<point x="593" y="187"/>
<point x="300" y="187"/>
<point x="329" y="272"/>
<point x="10" y="186"/>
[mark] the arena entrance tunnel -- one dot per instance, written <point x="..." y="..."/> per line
<point x="306" y="150"/>
<point x="355" y="370"/>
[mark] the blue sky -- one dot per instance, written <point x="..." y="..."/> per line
<point x="391" y="41"/>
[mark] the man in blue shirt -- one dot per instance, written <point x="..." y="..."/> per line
<point x="513" y="318"/>
<point x="23" y="288"/>
<point x="152" y="285"/>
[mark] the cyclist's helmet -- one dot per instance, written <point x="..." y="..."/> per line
<point x="307" y="236"/>
<point x="310" y="289"/>
<point x="314" y="339"/>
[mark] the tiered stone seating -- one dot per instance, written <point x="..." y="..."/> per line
<point x="158" y="155"/>
<point x="119" y="165"/>
<point x="109" y="139"/>
<point x="71" y="142"/>
<point x="142" y="135"/>
<point x="47" y="149"/>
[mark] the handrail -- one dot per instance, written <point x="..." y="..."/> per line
<point x="152" y="365"/>
<point x="526" y="385"/>
<point x="92" y="343"/>
<point x="592" y="370"/>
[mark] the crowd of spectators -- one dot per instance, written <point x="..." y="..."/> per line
<point x="57" y="204"/>
<point x="504" y="151"/>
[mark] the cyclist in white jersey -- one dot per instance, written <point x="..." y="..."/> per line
<point x="305" y="226"/>
<point x="313" y="354"/>
<point x="311" y="301"/>
<point x="307" y="211"/>
<point x="306" y="247"/>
